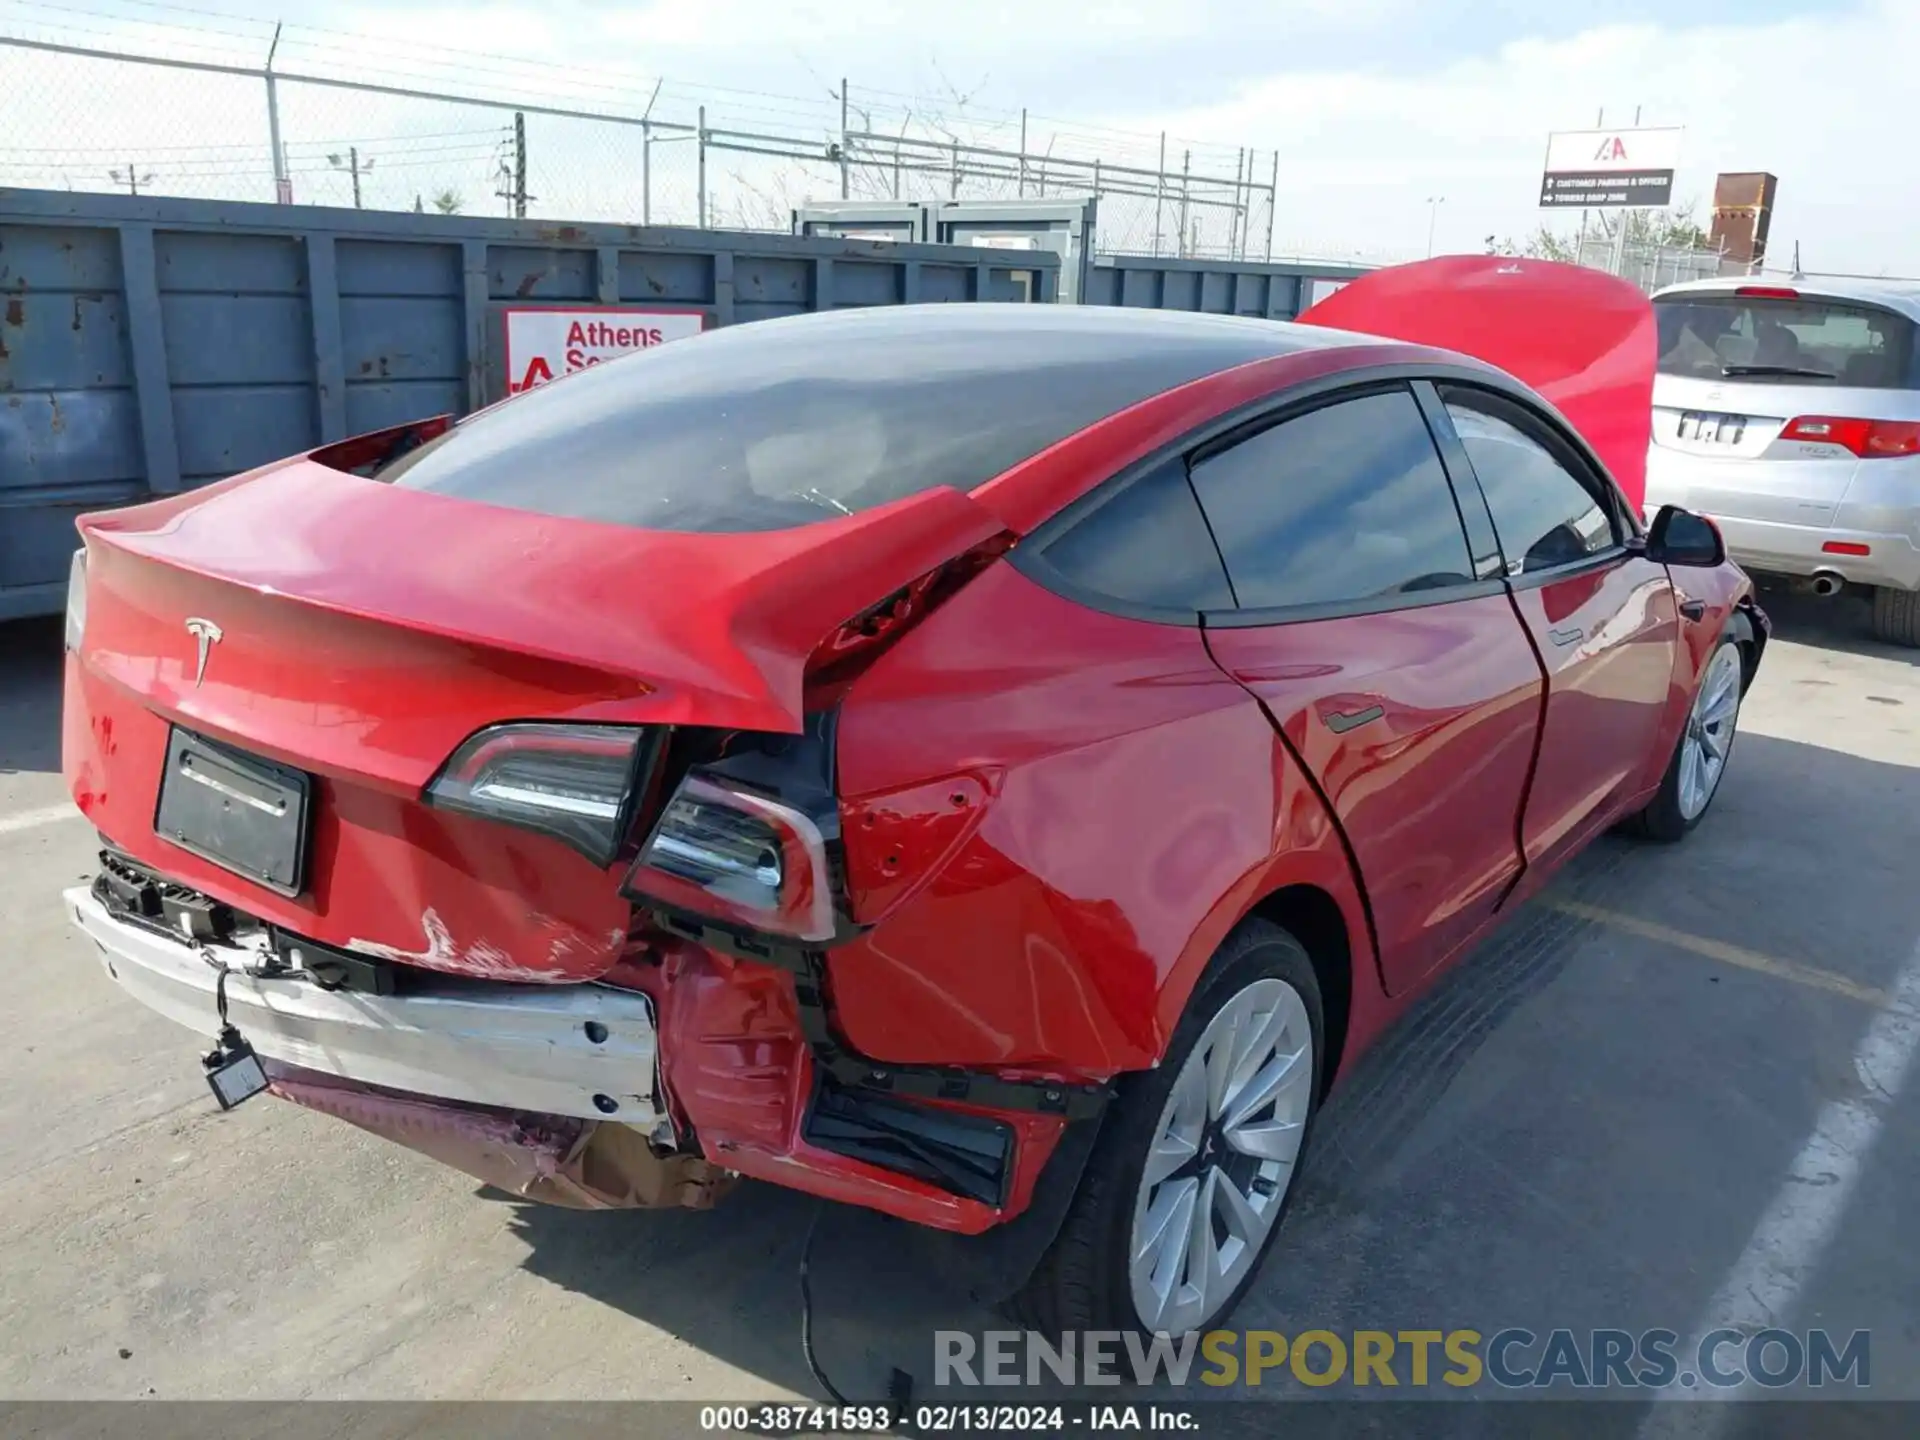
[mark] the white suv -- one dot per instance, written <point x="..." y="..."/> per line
<point x="1790" y="413"/>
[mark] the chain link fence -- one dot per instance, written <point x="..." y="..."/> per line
<point x="1652" y="266"/>
<point x="197" y="121"/>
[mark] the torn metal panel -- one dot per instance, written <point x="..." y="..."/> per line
<point x="582" y="1164"/>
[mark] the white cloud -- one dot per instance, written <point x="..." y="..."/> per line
<point x="1361" y="147"/>
<point x="1809" y="99"/>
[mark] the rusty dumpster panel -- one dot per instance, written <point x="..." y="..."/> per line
<point x="150" y="344"/>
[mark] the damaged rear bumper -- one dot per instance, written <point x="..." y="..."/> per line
<point x="578" y="1094"/>
<point x="583" y="1052"/>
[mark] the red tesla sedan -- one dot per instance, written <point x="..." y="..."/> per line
<point x="974" y="762"/>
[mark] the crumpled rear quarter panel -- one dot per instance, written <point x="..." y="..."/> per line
<point x="1087" y="803"/>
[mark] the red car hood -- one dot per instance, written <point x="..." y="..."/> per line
<point x="1583" y="339"/>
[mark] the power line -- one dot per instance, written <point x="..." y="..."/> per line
<point x="578" y="76"/>
<point x="246" y="145"/>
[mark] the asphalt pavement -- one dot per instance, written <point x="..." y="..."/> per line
<point x="1670" y="1091"/>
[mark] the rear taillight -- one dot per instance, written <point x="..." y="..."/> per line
<point x="1869" y="439"/>
<point x="573" y="782"/>
<point x="741" y="857"/>
<point x="77" y="600"/>
<point x="1767" y="292"/>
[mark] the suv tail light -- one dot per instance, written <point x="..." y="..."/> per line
<point x="1869" y="439"/>
<point x="742" y="857"/>
<point x="77" y="599"/>
<point x="573" y="782"/>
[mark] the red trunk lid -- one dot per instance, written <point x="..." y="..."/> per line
<point x="1583" y="339"/>
<point x="366" y="630"/>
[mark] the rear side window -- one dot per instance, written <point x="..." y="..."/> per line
<point x="1344" y="504"/>
<point x="1775" y="340"/>
<point x="1147" y="545"/>
<point x="782" y="423"/>
<point x="1544" y="515"/>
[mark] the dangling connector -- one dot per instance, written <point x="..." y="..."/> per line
<point x="234" y="1072"/>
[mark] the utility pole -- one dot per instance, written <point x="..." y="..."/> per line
<point x="354" y="166"/>
<point x="1159" y="193"/>
<point x="646" y="155"/>
<point x="956" y="170"/>
<point x="1186" y="170"/>
<point x="845" y="177"/>
<point x="1434" y="202"/>
<point x="1273" y="203"/>
<point x="282" y="183"/>
<point x="1023" y="151"/>
<point x="1233" y="216"/>
<point x="519" y="165"/>
<point x="702" y="142"/>
<point x="131" y="178"/>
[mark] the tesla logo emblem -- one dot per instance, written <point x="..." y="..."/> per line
<point x="206" y="635"/>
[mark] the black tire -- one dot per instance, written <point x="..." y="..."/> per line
<point x="1896" y="616"/>
<point x="1082" y="1281"/>
<point x="1662" y="821"/>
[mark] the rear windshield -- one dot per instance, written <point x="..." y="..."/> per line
<point x="1788" y="342"/>
<point x="784" y="422"/>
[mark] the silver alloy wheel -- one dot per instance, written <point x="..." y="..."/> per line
<point x="1710" y="725"/>
<point x="1222" y="1157"/>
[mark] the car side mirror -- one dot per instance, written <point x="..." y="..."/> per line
<point x="1680" y="537"/>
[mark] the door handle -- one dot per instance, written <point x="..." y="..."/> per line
<point x="1694" y="609"/>
<point x="1566" y="636"/>
<point x="1340" y="723"/>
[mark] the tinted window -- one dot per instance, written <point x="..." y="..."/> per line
<point x="784" y="422"/>
<point x="1146" y="545"/>
<point x="1545" y="517"/>
<point x="1344" y="503"/>
<point x="1779" y="341"/>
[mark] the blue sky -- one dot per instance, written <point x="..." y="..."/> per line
<point x="1375" y="107"/>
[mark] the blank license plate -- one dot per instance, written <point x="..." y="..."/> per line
<point x="244" y="813"/>
<point x="1713" y="429"/>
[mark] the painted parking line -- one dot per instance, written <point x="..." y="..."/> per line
<point x="1811" y="976"/>
<point x="34" y="819"/>
<point x="1787" y="1245"/>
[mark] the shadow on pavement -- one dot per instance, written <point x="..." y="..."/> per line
<point x="1840" y="622"/>
<point x="1495" y="1160"/>
<point x="30" y="659"/>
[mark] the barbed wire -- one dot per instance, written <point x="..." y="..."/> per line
<point x="630" y="147"/>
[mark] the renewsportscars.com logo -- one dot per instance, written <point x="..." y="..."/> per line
<point x="1513" y="1359"/>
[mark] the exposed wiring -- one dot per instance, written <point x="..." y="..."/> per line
<point x="806" y="1310"/>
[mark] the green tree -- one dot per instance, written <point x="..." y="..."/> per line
<point x="448" y="202"/>
<point x="1672" y="229"/>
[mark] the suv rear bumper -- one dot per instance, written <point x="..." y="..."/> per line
<point x="517" y="1047"/>
<point x="1755" y="505"/>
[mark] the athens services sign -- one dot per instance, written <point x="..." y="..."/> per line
<point x="1607" y="169"/>
<point x="544" y="342"/>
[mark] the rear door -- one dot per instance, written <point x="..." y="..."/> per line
<point x="1390" y="658"/>
<point x="1600" y="615"/>
<point x="1737" y="368"/>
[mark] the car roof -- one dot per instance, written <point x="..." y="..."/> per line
<point x="1901" y="296"/>
<point x="848" y="408"/>
<point x="1052" y="333"/>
